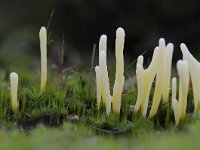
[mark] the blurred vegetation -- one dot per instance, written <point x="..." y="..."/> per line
<point x="82" y="23"/>
<point x="77" y="136"/>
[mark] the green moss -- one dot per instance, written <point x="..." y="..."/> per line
<point x="70" y="106"/>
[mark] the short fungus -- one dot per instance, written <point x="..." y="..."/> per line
<point x="174" y="101"/>
<point x="14" y="86"/>
<point x="98" y="81"/>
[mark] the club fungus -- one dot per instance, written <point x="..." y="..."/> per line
<point x="159" y="79"/>
<point x="119" y="75"/>
<point x="14" y="86"/>
<point x="43" y="50"/>
<point x="105" y="81"/>
<point x="194" y="69"/>
<point x="163" y="76"/>
<point x="140" y="82"/>
<point x="179" y="106"/>
<point x="102" y="47"/>
<point x="103" y="86"/>
<point x="144" y="80"/>
<point x="98" y="81"/>
<point x="160" y="68"/>
<point x="167" y="72"/>
<point x="174" y="101"/>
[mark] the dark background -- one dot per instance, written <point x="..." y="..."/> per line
<point x="82" y="23"/>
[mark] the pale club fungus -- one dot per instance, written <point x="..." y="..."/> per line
<point x="43" y="51"/>
<point x="194" y="69"/>
<point x="14" y="86"/>
<point x="159" y="68"/>
<point x="102" y="79"/>
<point x="180" y="106"/>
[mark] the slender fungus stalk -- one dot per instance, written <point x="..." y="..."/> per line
<point x="14" y="86"/>
<point x="163" y="76"/>
<point x="183" y="72"/>
<point x="43" y="50"/>
<point x="105" y="85"/>
<point x="119" y="76"/>
<point x="102" y="47"/>
<point x="174" y="101"/>
<point x="179" y="107"/>
<point x="98" y="84"/>
<point x="194" y="68"/>
<point x="140" y="82"/>
<point x="167" y="72"/>
<point x="159" y="79"/>
<point x="174" y="86"/>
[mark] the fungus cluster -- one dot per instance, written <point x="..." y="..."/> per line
<point x="102" y="79"/>
<point x="158" y="70"/>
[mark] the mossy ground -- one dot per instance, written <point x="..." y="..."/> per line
<point x="66" y="115"/>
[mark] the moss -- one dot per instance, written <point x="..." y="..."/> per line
<point x="66" y="115"/>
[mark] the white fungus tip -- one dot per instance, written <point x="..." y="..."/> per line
<point x="156" y="51"/>
<point x="155" y="54"/>
<point x="103" y="37"/>
<point x="183" y="47"/>
<point x="14" y="75"/>
<point x="162" y="42"/>
<point x="170" y="46"/>
<point x="156" y="48"/>
<point x="43" y="28"/>
<point x="140" y="60"/>
<point x="43" y="31"/>
<point x="103" y="43"/>
<point x="120" y="32"/>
